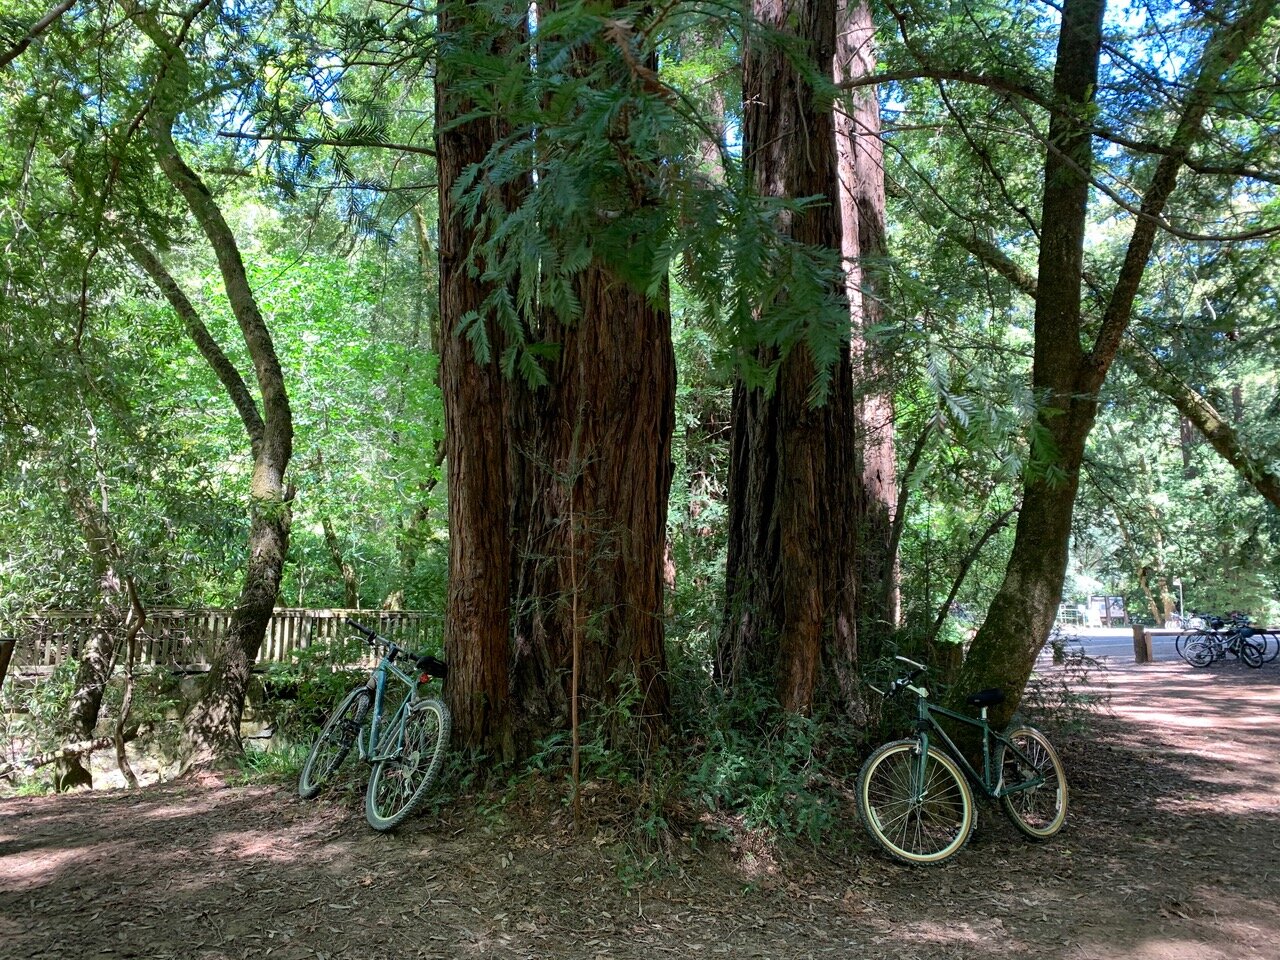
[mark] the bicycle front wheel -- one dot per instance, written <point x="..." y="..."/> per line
<point x="1270" y="646"/>
<point x="400" y="782"/>
<point x="1252" y="652"/>
<point x="334" y="743"/>
<point x="1039" y="811"/>
<point x="919" y="814"/>
<point x="1200" y="652"/>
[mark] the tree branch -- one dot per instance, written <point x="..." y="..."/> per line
<point x="213" y="354"/>
<point x="327" y="142"/>
<point x="966" y="563"/>
<point x="1222" y="50"/>
<point x="37" y="28"/>
<point x="1204" y="416"/>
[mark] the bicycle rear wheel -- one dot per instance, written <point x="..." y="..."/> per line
<point x="400" y="783"/>
<point x="1038" y="811"/>
<point x="333" y="745"/>
<point x="915" y="819"/>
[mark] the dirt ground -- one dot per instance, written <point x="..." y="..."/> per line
<point x="1171" y="852"/>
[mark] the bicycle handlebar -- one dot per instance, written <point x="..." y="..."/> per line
<point x="424" y="661"/>
<point x="903" y="682"/>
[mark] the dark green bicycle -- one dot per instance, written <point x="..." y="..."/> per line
<point x="914" y="795"/>
<point x="401" y="733"/>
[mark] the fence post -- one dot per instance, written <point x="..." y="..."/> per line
<point x="1141" y="645"/>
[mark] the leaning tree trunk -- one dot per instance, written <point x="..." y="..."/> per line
<point x="1022" y="613"/>
<point x="790" y="618"/>
<point x="97" y="655"/>
<point x="860" y="154"/>
<point x="477" y="620"/>
<point x="211" y="730"/>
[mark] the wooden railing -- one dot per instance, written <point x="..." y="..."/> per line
<point x="186" y="638"/>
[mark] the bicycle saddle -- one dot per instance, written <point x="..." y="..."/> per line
<point x="985" y="698"/>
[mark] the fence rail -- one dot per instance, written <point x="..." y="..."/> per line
<point x="186" y="638"/>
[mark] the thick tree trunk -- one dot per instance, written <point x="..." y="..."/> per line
<point x="591" y="477"/>
<point x="593" y="516"/>
<point x="477" y="620"/>
<point x="860" y="155"/>
<point x="791" y="578"/>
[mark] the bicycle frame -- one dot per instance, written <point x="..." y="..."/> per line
<point x="378" y="683"/>
<point x="990" y="784"/>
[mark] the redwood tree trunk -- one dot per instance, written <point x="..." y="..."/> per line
<point x="862" y="207"/>
<point x="593" y="474"/>
<point x="477" y="617"/>
<point x="593" y="510"/>
<point x="791" y="576"/>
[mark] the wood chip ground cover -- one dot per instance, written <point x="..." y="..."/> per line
<point x="1170" y="853"/>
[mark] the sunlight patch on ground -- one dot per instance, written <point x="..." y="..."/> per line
<point x="28" y="873"/>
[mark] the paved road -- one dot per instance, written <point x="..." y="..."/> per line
<point x="1117" y="643"/>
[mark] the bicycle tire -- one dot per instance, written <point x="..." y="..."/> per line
<point x="1199" y="653"/>
<point x="334" y="742"/>
<point x="1039" y="812"/>
<point x="1181" y="640"/>
<point x="918" y="832"/>
<point x="1252" y="653"/>
<point x="399" y="784"/>
<point x="1271" y="642"/>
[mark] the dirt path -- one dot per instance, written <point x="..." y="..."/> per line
<point x="1171" y="853"/>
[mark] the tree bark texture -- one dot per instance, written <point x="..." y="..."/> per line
<point x="1023" y="610"/>
<point x="791" y="576"/>
<point x="211" y="729"/>
<point x="1068" y="378"/>
<point x="97" y="656"/>
<point x="860" y="154"/>
<point x="595" y="477"/>
<point x="477" y="617"/>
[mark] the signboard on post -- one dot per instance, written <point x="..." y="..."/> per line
<point x="1107" y="611"/>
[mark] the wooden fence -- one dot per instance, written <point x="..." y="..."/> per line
<point x="186" y="638"/>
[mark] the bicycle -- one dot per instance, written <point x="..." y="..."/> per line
<point x="914" y="795"/>
<point x="405" y="749"/>
<point x="1216" y="641"/>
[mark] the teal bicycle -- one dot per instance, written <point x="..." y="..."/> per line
<point x="914" y="795"/>
<point x="404" y="743"/>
